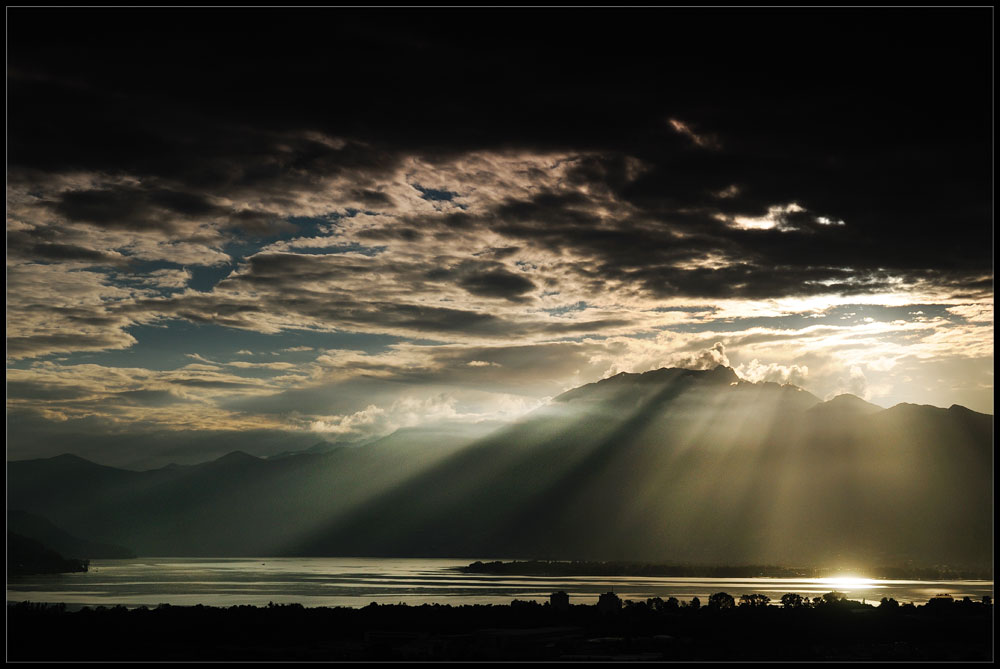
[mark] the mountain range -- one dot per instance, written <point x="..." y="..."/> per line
<point x="672" y="465"/>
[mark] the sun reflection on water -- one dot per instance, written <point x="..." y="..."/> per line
<point x="847" y="582"/>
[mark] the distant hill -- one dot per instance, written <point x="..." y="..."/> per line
<point x="27" y="556"/>
<point x="40" y="529"/>
<point x="672" y="465"/>
<point x="235" y="505"/>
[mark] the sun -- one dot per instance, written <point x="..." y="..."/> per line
<point x="847" y="582"/>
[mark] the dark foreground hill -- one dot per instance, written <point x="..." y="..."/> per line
<point x="653" y="630"/>
<point x="27" y="556"/>
<point x="672" y="465"/>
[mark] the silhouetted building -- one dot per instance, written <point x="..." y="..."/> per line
<point x="559" y="601"/>
<point x="609" y="603"/>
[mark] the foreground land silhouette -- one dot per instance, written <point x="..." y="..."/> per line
<point x="827" y="628"/>
<point x="27" y="556"/>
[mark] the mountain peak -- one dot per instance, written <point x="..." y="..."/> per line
<point x="723" y="374"/>
<point x="69" y="457"/>
<point x="846" y="402"/>
<point x="624" y="381"/>
<point x="236" y="457"/>
<point x="958" y="408"/>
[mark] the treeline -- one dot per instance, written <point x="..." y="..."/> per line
<point x="833" y="628"/>
<point x="933" y="573"/>
<point x="592" y="568"/>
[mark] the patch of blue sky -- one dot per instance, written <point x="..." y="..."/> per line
<point x="559" y="311"/>
<point x="138" y="274"/>
<point x="434" y="194"/>
<point x="238" y="248"/>
<point x="310" y="226"/>
<point x="204" y="279"/>
<point x="167" y="345"/>
<point x="243" y="245"/>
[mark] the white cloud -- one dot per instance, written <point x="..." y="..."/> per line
<point x="756" y="371"/>
<point x="775" y="218"/>
<point x="854" y="382"/>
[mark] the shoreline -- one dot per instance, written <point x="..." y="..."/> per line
<point x="645" y="569"/>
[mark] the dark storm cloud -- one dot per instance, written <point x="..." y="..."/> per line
<point x="373" y="199"/>
<point x="406" y="234"/>
<point x="855" y="115"/>
<point x="485" y="279"/>
<point x="503" y="252"/>
<point x="30" y="390"/>
<point x="156" y="209"/>
<point x="497" y="283"/>
<point x="131" y="207"/>
<point x="44" y="244"/>
<point x="66" y="342"/>
<point x="523" y="192"/>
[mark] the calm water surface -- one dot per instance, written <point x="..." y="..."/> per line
<point x="359" y="581"/>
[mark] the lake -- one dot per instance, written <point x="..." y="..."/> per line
<point x="357" y="582"/>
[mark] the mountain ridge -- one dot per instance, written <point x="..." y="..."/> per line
<point x="726" y="373"/>
<point x="683" y="465"/>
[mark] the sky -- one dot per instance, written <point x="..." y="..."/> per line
<point x="264" y="229"/>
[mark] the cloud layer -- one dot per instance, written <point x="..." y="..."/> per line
<point x="480" y="219"/>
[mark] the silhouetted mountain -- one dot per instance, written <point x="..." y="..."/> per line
<point x="237" y="458"/>
<point x="40" y="529"/>
<point x="234" y="505"/>
<point x="321" y="447"/>
<point x="845" y="406"/>
<point x="672" y="465"/>
<point x="27" y="556"/>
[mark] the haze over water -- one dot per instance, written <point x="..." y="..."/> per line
<point x="357" y="582"/>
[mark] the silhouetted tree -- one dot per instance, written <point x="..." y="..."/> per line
<point x="609" y="603"/>
<point x="672" y="603"/>
<point x="888" y="603"/>
<point x="695" y="603"/>
<point x="721" y="600"/>
<point x="834" y="597"/>
<point x="754" y="600"/>
<point x="791" y="601"/>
